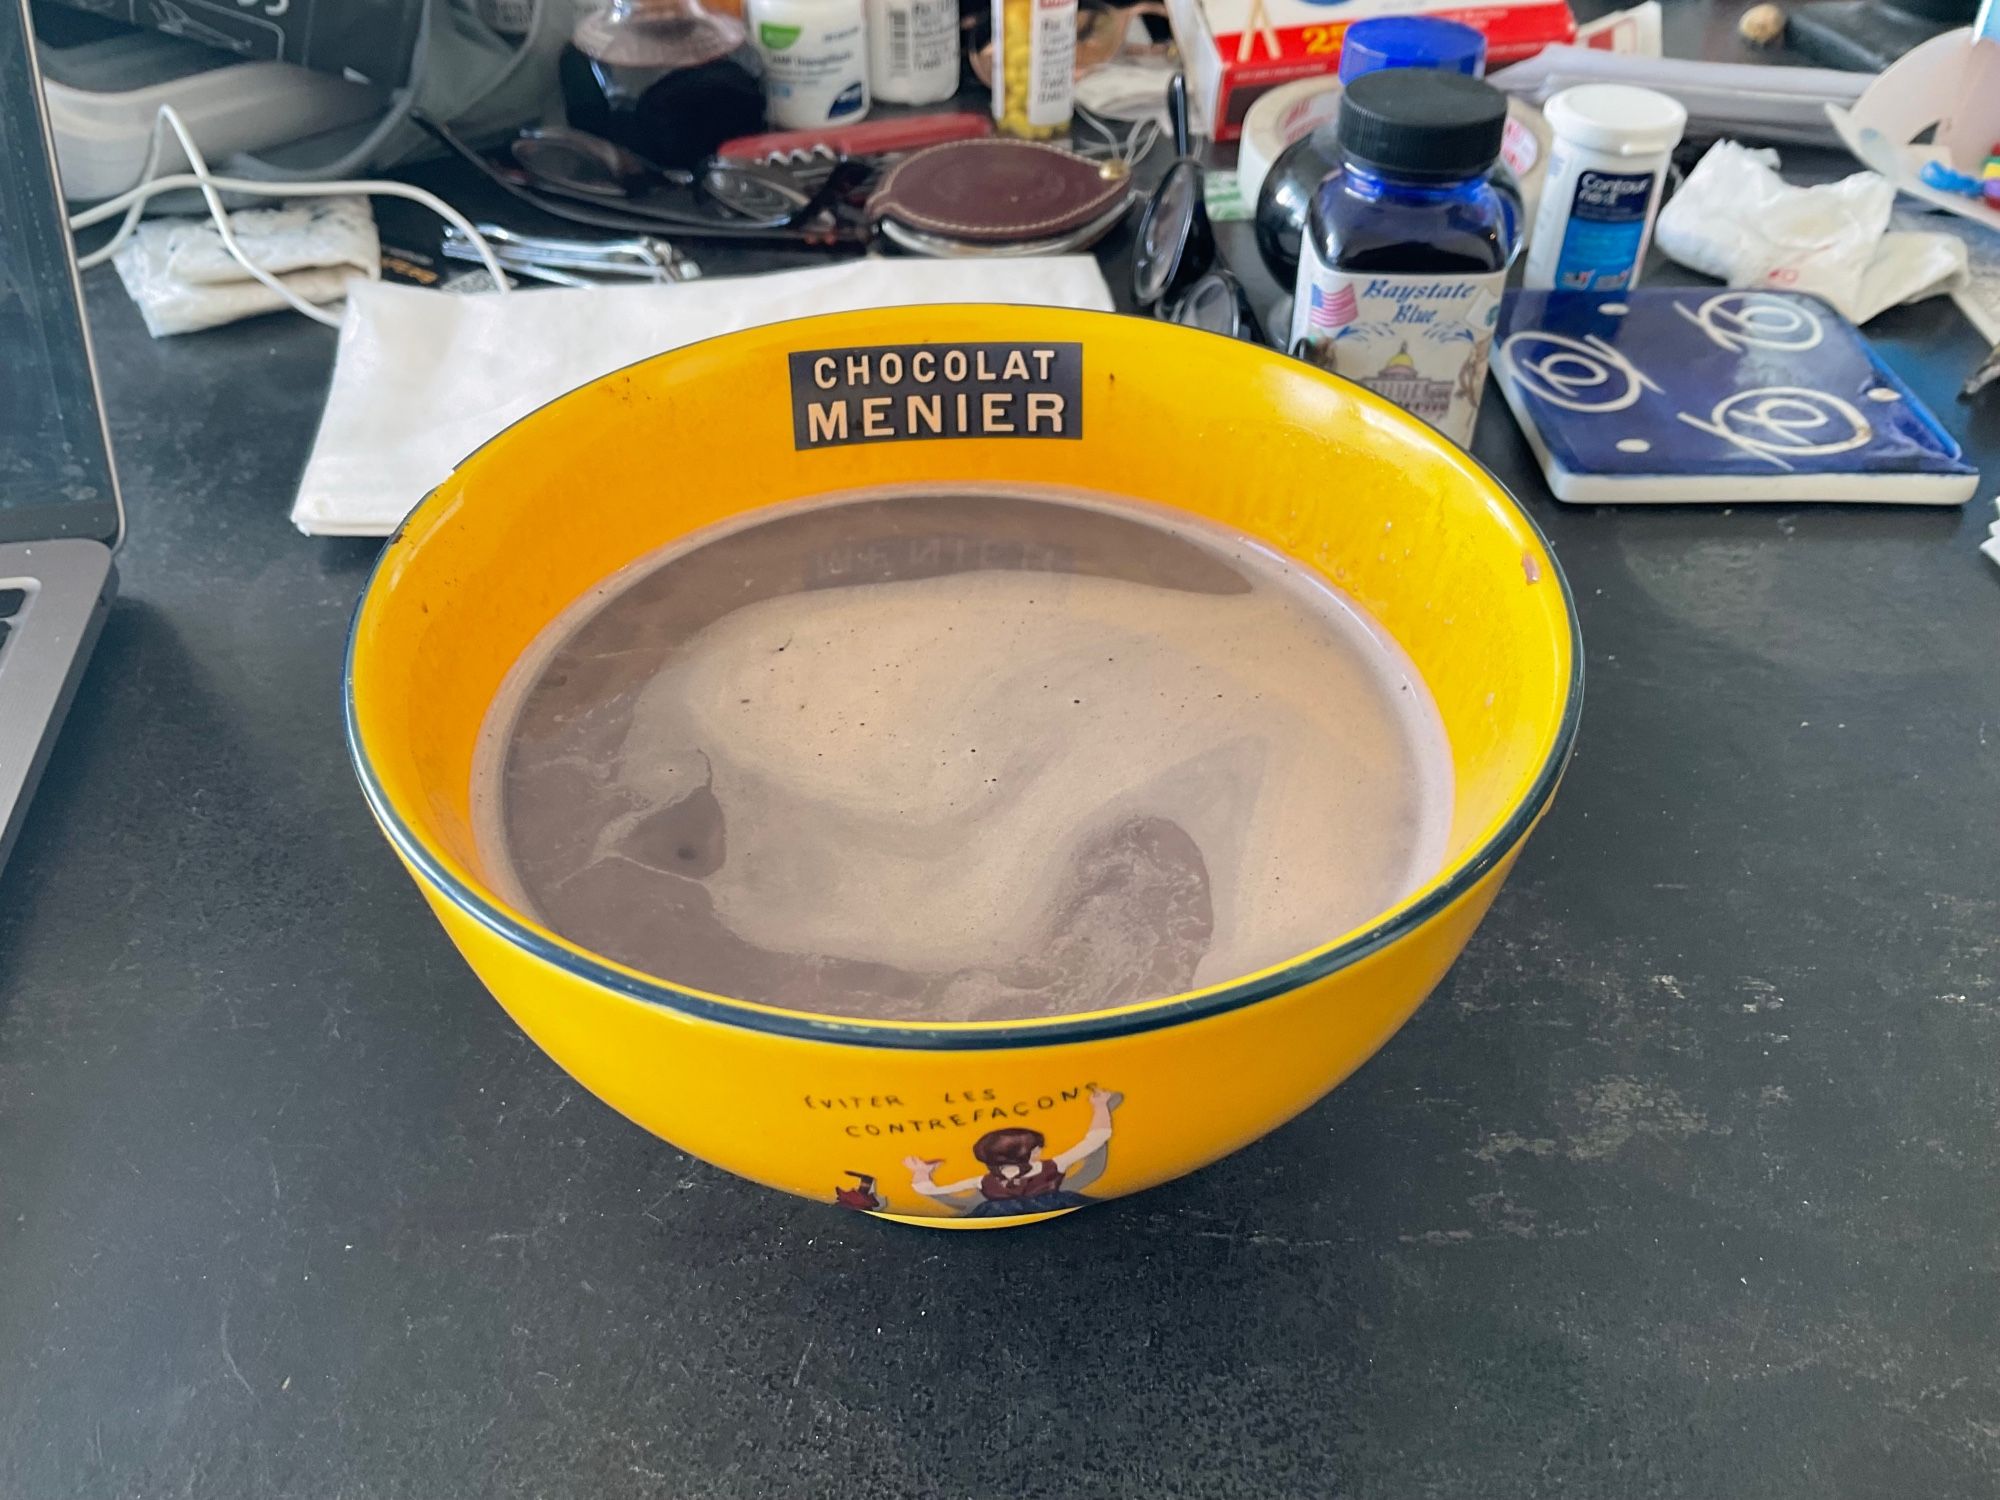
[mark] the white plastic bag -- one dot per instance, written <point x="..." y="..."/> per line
<point x="183" y="279"/>
<point x="1736" y="219"/>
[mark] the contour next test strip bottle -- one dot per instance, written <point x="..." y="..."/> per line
<point x="1603" y="189"/>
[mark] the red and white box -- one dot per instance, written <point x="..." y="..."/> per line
<point x="1235" y="50"/>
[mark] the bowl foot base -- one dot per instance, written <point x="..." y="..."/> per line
<point x="1011" y="1222"/>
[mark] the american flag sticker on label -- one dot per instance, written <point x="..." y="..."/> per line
<point x="1334" y="309"/>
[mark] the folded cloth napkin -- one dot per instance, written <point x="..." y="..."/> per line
<point x="183" y="279"/>
<point x="1735" y="218"/>
<point x="422" y="378"/>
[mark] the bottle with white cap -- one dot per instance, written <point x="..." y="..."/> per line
<point x="1603" y="190"/>
<point x="912" y="51"/>
<point x="815" y="56"/>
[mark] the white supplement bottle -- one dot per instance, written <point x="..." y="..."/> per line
<point x="815" y="56"/>
<point x="912" y="50"/>
<point x="1609" y="160"/>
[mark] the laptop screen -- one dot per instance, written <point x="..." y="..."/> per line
<point x="55" y="465"/>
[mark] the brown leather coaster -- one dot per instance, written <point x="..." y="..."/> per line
<point x="995" y="191"/>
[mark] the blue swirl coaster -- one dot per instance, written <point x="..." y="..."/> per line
<point x="1671" y="395"/>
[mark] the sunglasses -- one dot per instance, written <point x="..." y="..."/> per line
<point x="1175" y="270"/>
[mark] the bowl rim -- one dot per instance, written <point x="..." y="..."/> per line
<point x="962" y="1036"/>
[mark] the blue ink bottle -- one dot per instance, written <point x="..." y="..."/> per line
<point x="1285" y="198"/>
<point x="1407" y="245"/>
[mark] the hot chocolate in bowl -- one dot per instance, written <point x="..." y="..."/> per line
<point x="867" y="1013"/>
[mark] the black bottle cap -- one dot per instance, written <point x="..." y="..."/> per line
<point x="1414" y="122"/>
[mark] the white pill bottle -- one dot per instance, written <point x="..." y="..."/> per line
<point x="815" y="56"/>
<point x="912" y="50"/>
<point x="1606" y="169"/>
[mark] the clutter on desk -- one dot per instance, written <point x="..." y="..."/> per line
<point x="1638" y="31"/>
<point x="1175" y="241"/>
<point x="1978" y="296"/>
<point x="1676" y="395"/>
<point x="711" y="209"/>
<point x="1132" y="88"/>
<point x="1288" y="113"/>
<point x="1762" y="25"/>
<point x="1411" y="42"/>
<point x="668" y="79"/>
<point x="1607" y="170"/>
<point x="1118" y="70"/>
<point x="1408" y="243"/>
<point x="999" y="196"/>
<point x="1986" y="374"/>
<point x="815" y="55"/>
<point x="1284" y="121"/>
<point x="423" y="378"/>
<point x="1216" y="302"/>
<point x="1737" y="220"/>
<point x="104" y="96"/>
<point x="1309" y="153"/>
<point x="572" y="262"/>
<point x="1753" y="102"/>
<point x="182" y="277"/>
<point x="1222" y="195"/>
<point x="1937" y="109"/>
<point x="1867" y="36"/>
<point x="886" y="137"/>
<point x="1034" y="76"/>
<point x="913" y="51"/>
<point x="1235" y="50"/>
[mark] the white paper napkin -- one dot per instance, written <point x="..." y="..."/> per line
<point x="423" y="378"/>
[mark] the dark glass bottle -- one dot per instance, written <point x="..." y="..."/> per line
<point x="665" y="78"/>
<point x="1407" y="245"/>
<point x="1285" y="199"/>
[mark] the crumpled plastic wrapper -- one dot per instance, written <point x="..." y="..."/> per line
<point x="182" y="278"/>
<point x="1736" y="219"/>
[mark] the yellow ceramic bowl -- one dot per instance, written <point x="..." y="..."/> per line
<point x="869" y="1114"/>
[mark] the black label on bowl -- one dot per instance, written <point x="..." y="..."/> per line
<point x="885" y="393"/>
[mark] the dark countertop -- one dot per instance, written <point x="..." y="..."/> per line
<point x="1685" y="1183"/>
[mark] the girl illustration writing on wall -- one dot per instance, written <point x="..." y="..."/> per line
<point x="1018" y="1179"/>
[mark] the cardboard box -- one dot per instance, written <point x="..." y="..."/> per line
<point x="1236" y="50"/>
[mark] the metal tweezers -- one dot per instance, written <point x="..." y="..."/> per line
<point x="568" y="262"/>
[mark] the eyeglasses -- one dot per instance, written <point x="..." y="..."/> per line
<point x="1217" y="302"/>
<point x="598" y="208"/>
<point x="1175" y="271"/>
<point x="1176" y="243"/>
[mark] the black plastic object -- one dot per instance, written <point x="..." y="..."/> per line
<point x="1865" y="36"/>
<point x="1285" y="198"/>
<point x="1415" y="123"/>
<point x="1176" y="243"/>
<point x="665" y="78"/>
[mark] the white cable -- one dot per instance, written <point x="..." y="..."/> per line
<point x="132" y="203"/>
<point x="154" y="139"/>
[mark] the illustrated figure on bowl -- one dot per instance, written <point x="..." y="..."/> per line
<point x="1018" y="1178"/>
<point x="863" y="1196"/>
